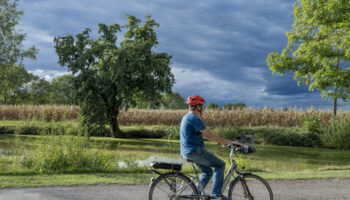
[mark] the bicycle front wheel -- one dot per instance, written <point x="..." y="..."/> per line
<point x="250" y="186"/>
<point x="172" y="186"/>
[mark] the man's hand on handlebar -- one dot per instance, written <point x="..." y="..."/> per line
<point x="238" y="144"/>
<point x="235" y="144"/>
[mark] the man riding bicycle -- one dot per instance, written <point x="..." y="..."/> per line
<point x="192" y="132"/>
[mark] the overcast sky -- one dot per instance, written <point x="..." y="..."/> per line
<point x="219" y="48"/>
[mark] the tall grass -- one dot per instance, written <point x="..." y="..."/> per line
<point x="336" y="135"/>
<point x="62" y="149"/>
<point x="213" y="118"/>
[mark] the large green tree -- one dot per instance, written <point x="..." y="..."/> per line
<point x="63" y="90"/>
<point x="12" y="53"/>
<point x="318" y="49"/>
<point x="173" y="100"/>
<point x="111" y="74"/>
<point x="35" y="92"/>
<point x="213" y="106"/>
<point x="12" y="78"/>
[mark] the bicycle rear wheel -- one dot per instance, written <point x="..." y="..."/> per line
<point x="168" y="186"/>
<point x="250" y="186"/>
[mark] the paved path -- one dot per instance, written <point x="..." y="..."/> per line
<point x="325" y="189"/>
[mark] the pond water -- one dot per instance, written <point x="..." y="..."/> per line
<point x="142" y="152"/>
<point x="5" y="148"/>
<point x="267" y="158"/>
<point x="150" y="159"/>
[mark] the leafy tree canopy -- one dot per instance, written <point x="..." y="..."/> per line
<point x="318" y="50"/>
<point x="63" y="90"/>
<point x="173" y="100"/>
<point x="11" y="38"/>
<point x="213" y="106"/>
<point x="12" y="73"/>
<point x="111" y="74"/>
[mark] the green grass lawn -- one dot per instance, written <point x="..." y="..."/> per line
<point x="271" y="162"/>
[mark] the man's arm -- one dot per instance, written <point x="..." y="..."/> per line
<point x="208" y="135"/>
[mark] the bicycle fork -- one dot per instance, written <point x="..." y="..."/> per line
<point x="247" y="193"/>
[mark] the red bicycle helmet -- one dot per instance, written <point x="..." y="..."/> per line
<point x="195" y="99"/>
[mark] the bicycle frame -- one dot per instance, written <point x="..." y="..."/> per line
<point x="232" y="169"/>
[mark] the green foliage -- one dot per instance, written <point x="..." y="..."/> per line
<point x="11" y="39"/>
<point x="318" y="47"/>
<point x="336" y="135"/>
<point x="63" y="90"/>
<point x="173" y="101"/>
<point x="12" y="79"/>
<point x="227" y="106"/>
<point x="12" y="73"/>
<point x="35" y="92"/>
<point x="111" y="75"/>
<point x="213" y="106"/>
<point x="64" y="153"/>
<point x="311" y="124"/>
<point x="228" y="132"/>
<point x="239" y="106"/>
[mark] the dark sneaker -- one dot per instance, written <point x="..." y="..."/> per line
<point x="222" y="197"/>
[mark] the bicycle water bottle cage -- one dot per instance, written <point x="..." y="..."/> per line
<point x="164" y="165"/>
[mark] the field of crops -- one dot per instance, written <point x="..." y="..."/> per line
<point x="241" y="117"/>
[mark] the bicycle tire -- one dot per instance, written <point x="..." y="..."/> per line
<point x="258" y="188"/>
<point x="163" y="187"/>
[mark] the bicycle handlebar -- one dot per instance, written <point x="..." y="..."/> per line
<point x="243" y="149"/>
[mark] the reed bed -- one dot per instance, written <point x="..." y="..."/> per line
<point x="213" y="118"/>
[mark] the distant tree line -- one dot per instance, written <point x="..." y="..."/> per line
<point x="27" y="88"/>
<point x="226" y="106"/>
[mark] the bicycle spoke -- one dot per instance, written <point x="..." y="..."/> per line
<point x="252" y="187"/>
<point x="161" y="189"/>
<point x="172" y="187"/>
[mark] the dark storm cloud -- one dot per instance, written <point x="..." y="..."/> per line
<point x="220" y="45"/>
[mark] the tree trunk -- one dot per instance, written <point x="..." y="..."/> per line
<point x="114" y="126"/>
<point x="335" y="103"/>
<point x="335" y="97"/>
<point x="115" y="130"/>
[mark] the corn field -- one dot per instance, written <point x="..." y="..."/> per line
<point x="42" y="112"/>
<point x="240" y="117"/>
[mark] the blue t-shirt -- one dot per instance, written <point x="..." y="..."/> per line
<point x="190" y="137"/>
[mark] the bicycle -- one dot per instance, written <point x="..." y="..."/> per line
<point x="175" y="185"/>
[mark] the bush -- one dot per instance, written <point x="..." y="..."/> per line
<point x="228" y="132"/>
<point x="336" y="135"/>
<point x="311" y="124"/>
<point x="278" y="136"/>
<point x="64" y="153"/>
<point x="39" y="127"/>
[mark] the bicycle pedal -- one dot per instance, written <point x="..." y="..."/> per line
<point x="207" y="197"/>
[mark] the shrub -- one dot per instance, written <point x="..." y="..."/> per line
<point x="336" y="135"/>
<point x="39" y="127"/>
<point x="311" y="124"/>
<point x="227" y="132"/>
<point x="64" y="153"/>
